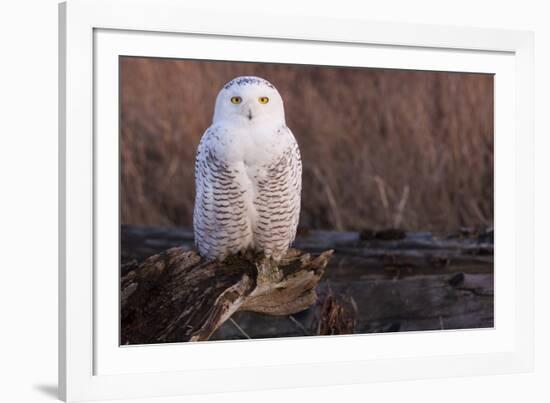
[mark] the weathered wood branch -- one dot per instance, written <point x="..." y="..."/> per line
<point x="394" y="281"/>
<point x="178" y="296"/>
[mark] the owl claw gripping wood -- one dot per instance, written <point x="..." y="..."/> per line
<point x="248" y="175"/>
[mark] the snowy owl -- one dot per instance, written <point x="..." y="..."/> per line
<point x="248" y="174"/>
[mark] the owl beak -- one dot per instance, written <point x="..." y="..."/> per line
<point x="249" y="115"/>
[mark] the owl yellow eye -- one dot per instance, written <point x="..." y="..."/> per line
<point x="263" y="100"/>
<point x="236" y="100"/>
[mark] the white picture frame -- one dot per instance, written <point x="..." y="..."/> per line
<point x="93" y="33"/>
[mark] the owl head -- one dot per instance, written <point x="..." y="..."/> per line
<point x="248" y="101"/>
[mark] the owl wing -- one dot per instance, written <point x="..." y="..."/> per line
<point x="278" y="202"/>
<point x="220" y="221"/>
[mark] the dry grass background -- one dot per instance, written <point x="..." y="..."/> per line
<point x="381" y="148"/>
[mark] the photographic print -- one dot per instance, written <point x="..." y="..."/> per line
<point x="263" y="200"/>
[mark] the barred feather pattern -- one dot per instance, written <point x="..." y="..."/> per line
<point x="241" y="207"/>
<point x="278" y="204"/>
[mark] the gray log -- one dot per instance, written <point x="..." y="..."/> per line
<point x="178" y="296"/>
<point x="389" y="280"/>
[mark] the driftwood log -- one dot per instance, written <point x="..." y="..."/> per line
<point x="376" y="281"/>
<point x="178" y="296"/>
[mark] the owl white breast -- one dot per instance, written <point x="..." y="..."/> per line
<point x="248" y="174"/>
